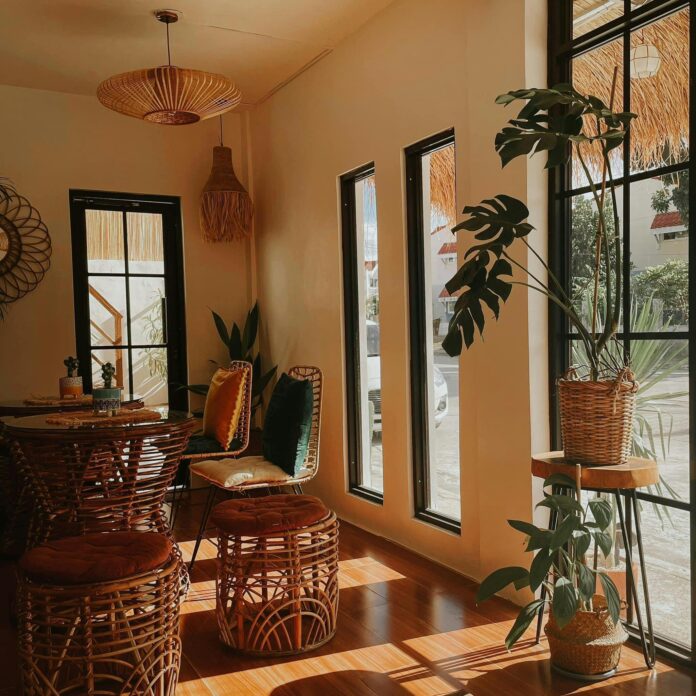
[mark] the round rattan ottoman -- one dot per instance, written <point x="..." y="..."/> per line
<point x="277" y="574"/>
<point x="99" y="614"/>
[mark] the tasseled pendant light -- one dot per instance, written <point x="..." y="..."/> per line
<point x="226" y="207"/>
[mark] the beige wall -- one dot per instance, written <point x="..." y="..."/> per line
<point x="53" y="142"/>
<point x="415" y="69"/>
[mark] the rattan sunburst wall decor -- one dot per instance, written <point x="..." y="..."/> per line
<point x="25" y="246"/>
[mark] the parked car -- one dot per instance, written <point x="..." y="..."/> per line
<point x="374" y="382"/>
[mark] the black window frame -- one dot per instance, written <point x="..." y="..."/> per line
<point x="563" y="48"/>
<point x="352" y="334"/>
<point x="175" y="317"/>
<point x="418" y="294"/>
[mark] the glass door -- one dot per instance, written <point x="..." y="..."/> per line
<point x="128" y="284"/>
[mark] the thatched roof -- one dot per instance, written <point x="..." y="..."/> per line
<point x="442" y="184"/>
<point x="590" y="14"/>
<point x="661" y="102"/>
<point x="105" y="236"/>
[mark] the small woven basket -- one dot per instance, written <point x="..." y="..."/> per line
<point x="597" y="418"/>
<point x="589" y="644"/>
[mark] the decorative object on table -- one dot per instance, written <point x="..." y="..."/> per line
<point x="107" y="399"/>
<point x="597" y="402"/>
<point x="89" y="418"/>
<point x="99" y="614"/>
<point x="167" y="94"/>
<point x="70" y="386"/>
<point x="585" y="634"/>
<point x="25" y="246"/>
<point x="277" y="574"/>
<point x="243" y="474"/>
<point x="226" y="208"/>
<point x="240" y="346"/>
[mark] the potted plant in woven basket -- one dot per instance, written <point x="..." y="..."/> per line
<point x="584" y="631"/>
<point x="597" y="400"/>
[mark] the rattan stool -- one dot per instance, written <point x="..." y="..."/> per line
<point x="99" y="614"/>
<point x="277" y="577"/>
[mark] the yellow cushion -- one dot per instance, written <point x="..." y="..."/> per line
<point x="223" y="405"/>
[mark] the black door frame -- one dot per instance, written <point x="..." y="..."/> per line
<point x="175" y="316"/>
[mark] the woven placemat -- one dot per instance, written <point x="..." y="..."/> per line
<point x="85" y="400"/>
<point x="141" y="415"/>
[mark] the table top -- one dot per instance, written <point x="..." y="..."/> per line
<point x="636" y="473"/>
<point x="38" y="424"/>
<point x="19" y="408"/>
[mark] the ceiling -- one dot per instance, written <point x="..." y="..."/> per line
<point x="72" y="45"/>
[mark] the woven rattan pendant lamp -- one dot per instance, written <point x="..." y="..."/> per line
<point x="226" y="207"/>
<point x="167" y="94"/>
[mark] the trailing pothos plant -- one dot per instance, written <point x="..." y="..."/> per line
<point x="565" y="124"/>
<point x="560" y="563"/>
<point x="239" y="343"/>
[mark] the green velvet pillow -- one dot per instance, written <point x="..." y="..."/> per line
<point x="288" y="424"/>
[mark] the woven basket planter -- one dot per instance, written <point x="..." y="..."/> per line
<point x="597" y="419"/>
<point x="589" y="644"/>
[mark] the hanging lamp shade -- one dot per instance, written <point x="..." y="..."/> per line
<point x="645" y="61"/>
<point x="226" y="207"/>
<point x="167" y="94"/>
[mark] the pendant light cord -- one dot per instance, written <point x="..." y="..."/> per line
<point x="169" y="55"/>
<point x="220" y="131"/>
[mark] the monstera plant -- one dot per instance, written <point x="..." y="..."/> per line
<point x="570" y="128"/>
<point x="563" y="123"/>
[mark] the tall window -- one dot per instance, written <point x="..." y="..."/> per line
<point x="648" y="42"/>
<point x="128" y="284"/>
<point x="431" y="210"/>
<point x="362" y="332"/>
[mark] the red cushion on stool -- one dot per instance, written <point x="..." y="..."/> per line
<point x="96" y="558"/>
<point x="272" y="513"/>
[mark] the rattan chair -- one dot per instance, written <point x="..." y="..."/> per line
<point x="254" y="473"/>
<point x="203" y="448"/>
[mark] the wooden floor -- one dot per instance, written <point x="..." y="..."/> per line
<point x="405" y="626"/>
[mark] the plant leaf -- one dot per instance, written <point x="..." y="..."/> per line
<point x="565" y="601"/>
<point x="251" y="327"/>
<point x="612" y="596"/>
<point x="564" y="531"/>
<point x="539" y="569"/>
<point x="235" y="344"/>
<point x="482" y="278"/>
<point x="524" y="619"/>
<point x="559" y="480"/>
<point x="201" y="389"/>
<point x="562" y="503"/>
<point x="221" y="328"/>
<point x="583" y="539"/>
<point x="586" y="581"/>
<point x="602" y="512"/>
<point x="499" y="579"/>
<point x="603" y="540"/>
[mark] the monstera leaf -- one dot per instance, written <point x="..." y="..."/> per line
<point x="538" y="127"/>
<point x="497" y="222"/>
